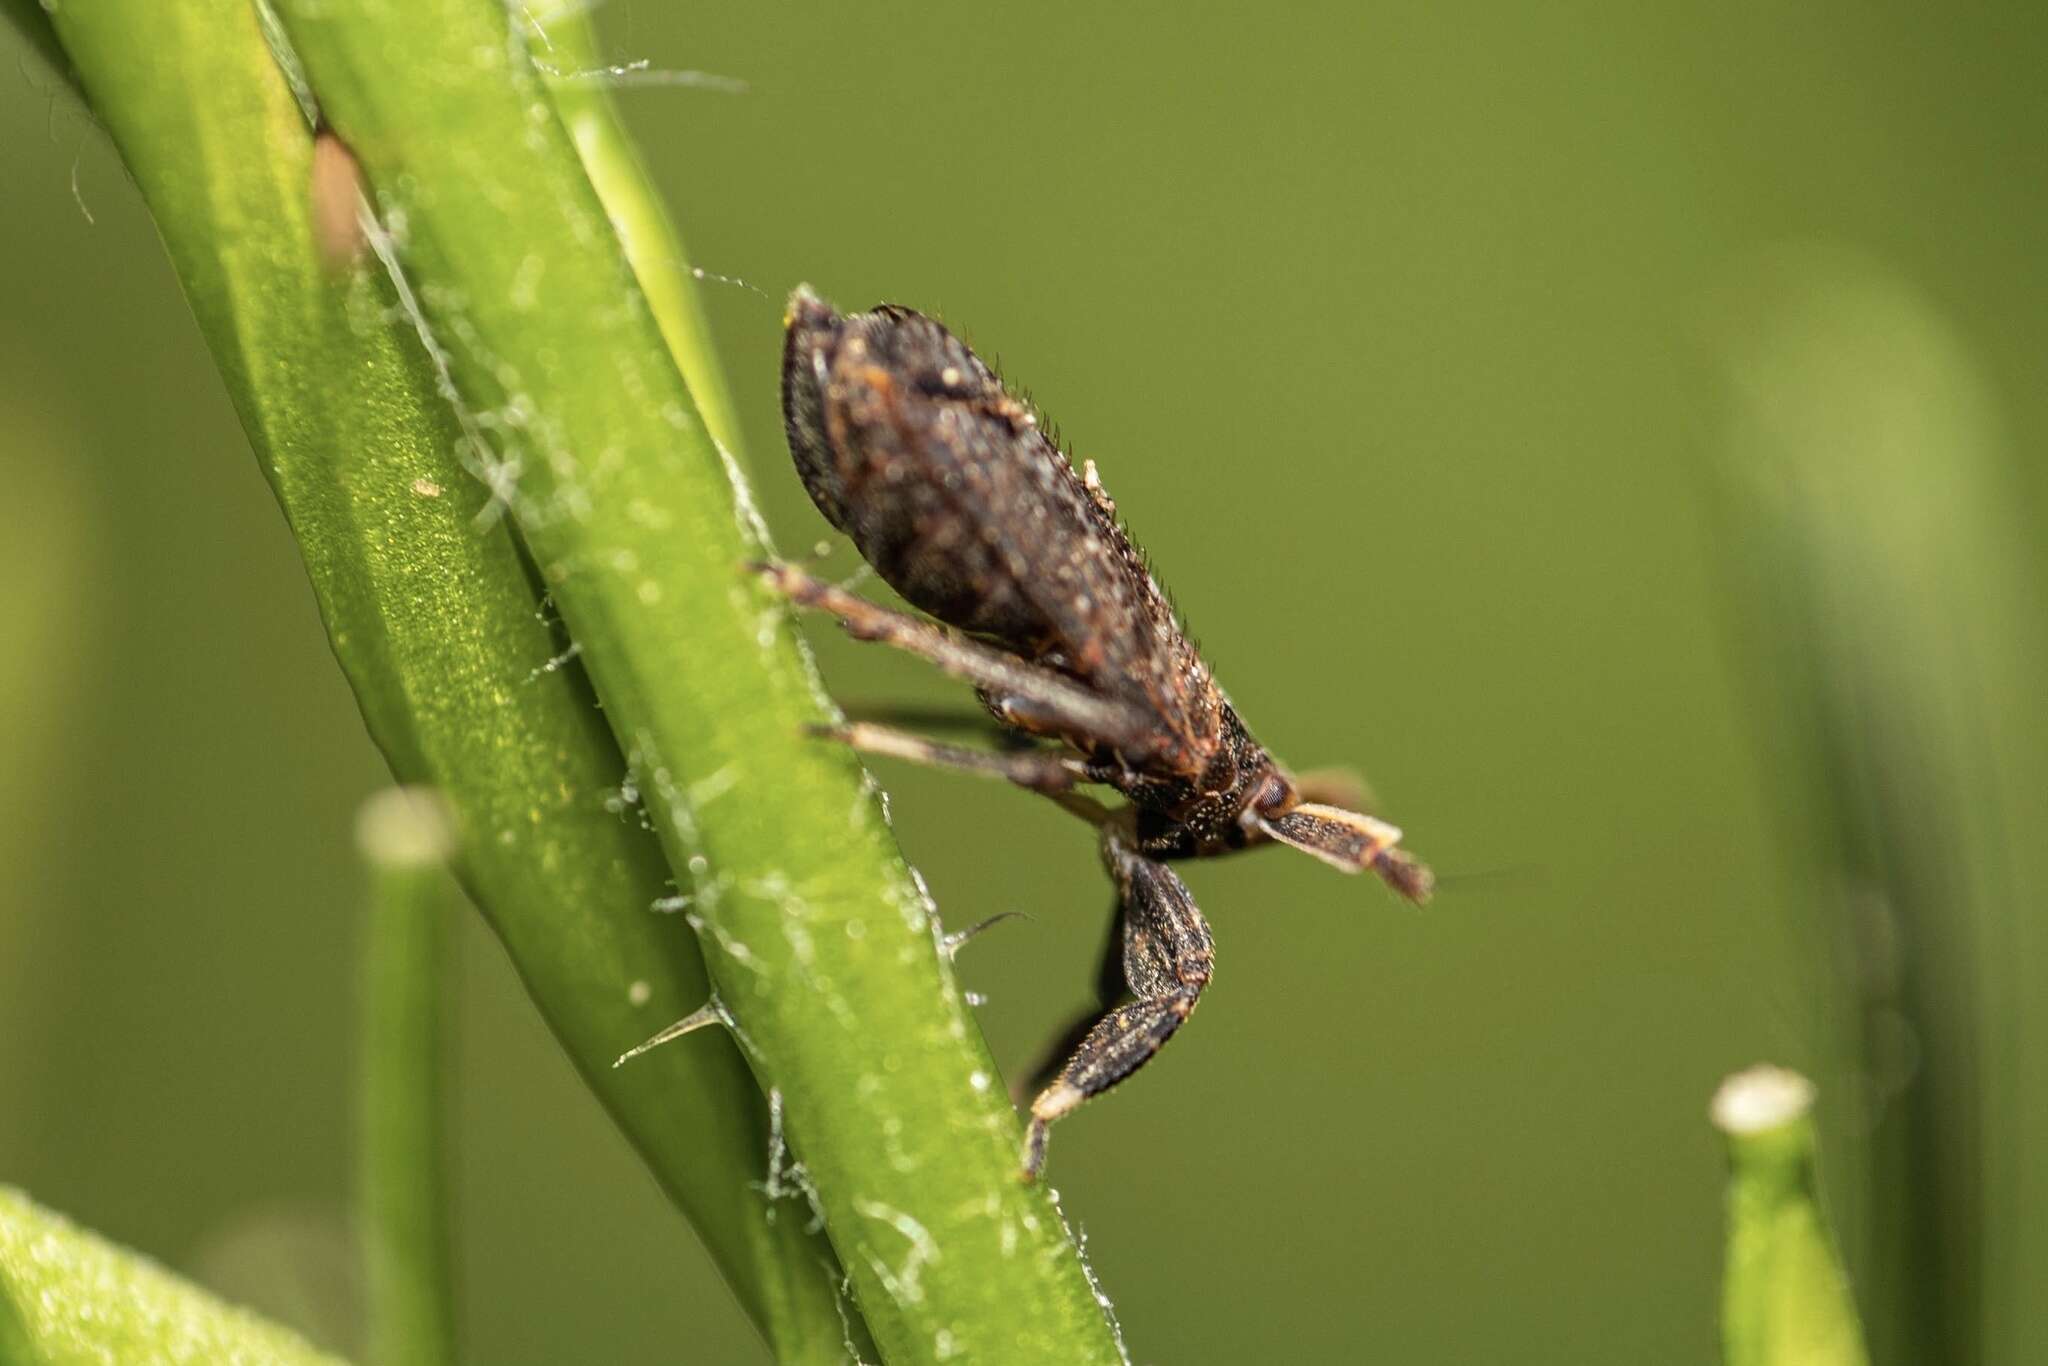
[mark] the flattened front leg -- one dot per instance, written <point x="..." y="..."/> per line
<point x="1168" y="960"/>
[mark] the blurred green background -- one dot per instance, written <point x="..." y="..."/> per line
<point x="1419" y="344"/>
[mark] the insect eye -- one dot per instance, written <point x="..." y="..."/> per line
<point x="1275" y="795"/>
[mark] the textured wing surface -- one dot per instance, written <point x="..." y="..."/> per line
<point x="912" y="446"/>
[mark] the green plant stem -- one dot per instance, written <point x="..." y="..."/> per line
<point x="406" y="837"/>
<point x="1784" y="1298"/>
<point x="640" y="217"/>
<point x="821" y="946"/>
<point x="1895" y="615"/>
<point x="431" y="611"/>
<point x="77" y="1300"/>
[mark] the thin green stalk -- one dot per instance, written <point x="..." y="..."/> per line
<point x="822" y="947"/>
<point x="431" y="610"/>
<point x="77" y="1300"/>
<point x="640" y="217"/>
<point x="406" y="837"/>
<point x="1889" y="602"/>
<point x="1784" y="1298"/>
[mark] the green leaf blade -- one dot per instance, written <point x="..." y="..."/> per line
<point x="78" y="1300"/>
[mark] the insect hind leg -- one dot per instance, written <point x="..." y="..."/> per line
<point x="1168" y="958"/>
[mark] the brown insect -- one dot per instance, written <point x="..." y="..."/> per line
<point x="947" y="485"/>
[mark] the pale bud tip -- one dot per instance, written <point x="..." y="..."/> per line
<point x="1760" y="1099"/>
<point x="405" y="827"/>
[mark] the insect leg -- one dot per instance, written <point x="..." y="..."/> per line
<point x="1110" y="990"/>
<point x="1111" y="723"/>
<point x="1039" y="770"/>
<point x="1167" y="959"/>
<point x="961" y="720"/>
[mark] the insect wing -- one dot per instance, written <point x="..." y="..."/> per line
<point x="946" y="484"/>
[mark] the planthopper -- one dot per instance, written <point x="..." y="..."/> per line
<point x="950" y="488"/>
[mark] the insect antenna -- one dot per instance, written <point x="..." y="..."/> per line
<point x="1519" y="874"/>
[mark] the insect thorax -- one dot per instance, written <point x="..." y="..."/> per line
<point x="1183" y="818"/>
